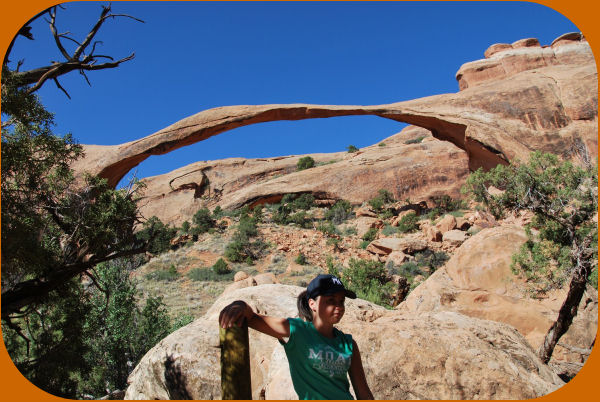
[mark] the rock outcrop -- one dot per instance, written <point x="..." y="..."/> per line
<point x="477" y="281"/>
<point x="521" y="98"/>
<point x="405" y="356"/>
<point x="417" y="171"/>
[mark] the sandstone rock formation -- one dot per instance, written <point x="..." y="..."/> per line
<point x="425" y="356"/>
<point x="407" y="170"/>
<point x="477" y="281"/>
<point x="522" y="97"/>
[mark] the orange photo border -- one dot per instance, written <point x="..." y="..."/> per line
<point x="584" y="14"/>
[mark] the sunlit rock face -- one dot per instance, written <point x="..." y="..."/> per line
<point x="521" y="97"/>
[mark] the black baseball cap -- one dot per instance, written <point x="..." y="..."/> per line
<point x="326" y="284"/>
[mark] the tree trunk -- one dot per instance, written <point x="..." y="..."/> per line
<point x="567" y="312"/>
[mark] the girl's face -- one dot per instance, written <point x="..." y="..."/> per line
<point x="329" y="308"/>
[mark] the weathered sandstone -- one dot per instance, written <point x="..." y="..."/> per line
<point x="478" y="281"/>
<point x="429" y="356"/>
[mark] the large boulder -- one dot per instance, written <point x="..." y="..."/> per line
<point x="478" y="281"/>
<point x="438" y="355"/>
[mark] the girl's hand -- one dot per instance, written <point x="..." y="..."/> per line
<point x="234" y="314"/>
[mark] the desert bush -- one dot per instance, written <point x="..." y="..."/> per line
<point x="351" y="149"/>
<point x="157" y="235"/>
<point x="389" y="230"/>
<point x="383" y="197"/>
<point x="305" y="163"/>
<point x="408" y="223"/>
<point x="242" y="248"/>
<point x="370" y="281"/>
<point x="416" y="140"/>
<point x="339" y="212"/>
<point x="208" y="275"/>
<point x="328" y="228"/>
<point x="202" y="221"/>
<point x="167" y="275"/>
<point x="301" y="259"/>
<point x="221" y="267"/>
<point x="370" y="235"/>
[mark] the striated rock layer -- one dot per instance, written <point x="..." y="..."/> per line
<point x="428" y="356"/>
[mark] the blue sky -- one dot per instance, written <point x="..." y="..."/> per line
<point x="192" y="56"/>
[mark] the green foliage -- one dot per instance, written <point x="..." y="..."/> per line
<point x="364" y="244"/>
<point x="416" y="140"/>
<point x="221" y="267"/>
<point x="301" y="259"/>
<point x="123" y="333"/>
<point x="408" y="223"/>
<point x="185" y="227"/>
<point x="202" y="221"/>
<point x="444" y="204"/>
<point x="350" y="231"/>
<point x="167" y="275"/>
<point x="369" y="280"/>
<point x="370" y="235"/>
<point x="156" y="235"/>
<point x="383" y="197"/>
<point x="290" y="203"/>
<point x="335" y="242"/>
<point x="382" y="144"/>
<point x="217" y="212"/>
<point x="563" y="198"/>
<point x="351" y="149"/>
<point x="328" y="228"/>
<point x="305" y="163"/>
<point x="389" y="230"/>
<point x="209" y="275"/>
<point x="339" y="212"/>
<point x="242" y="247"/>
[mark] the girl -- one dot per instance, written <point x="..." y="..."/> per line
<point x="319" y="355"/>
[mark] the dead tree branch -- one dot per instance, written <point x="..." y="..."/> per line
<point x="79" y="60"/>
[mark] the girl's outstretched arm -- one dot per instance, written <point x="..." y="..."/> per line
<point x="357" y="375"/>
<point x="235" y="313"/>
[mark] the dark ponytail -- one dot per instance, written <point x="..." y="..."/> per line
<point x="304" y="310"/>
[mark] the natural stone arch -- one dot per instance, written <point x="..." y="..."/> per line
<point x="114" y="162"/>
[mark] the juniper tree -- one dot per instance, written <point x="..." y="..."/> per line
<point x="563" y="236"/>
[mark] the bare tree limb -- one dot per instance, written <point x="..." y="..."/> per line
<point x="76" y="61"/>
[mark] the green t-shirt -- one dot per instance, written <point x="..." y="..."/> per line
<point x="318" y="365"/>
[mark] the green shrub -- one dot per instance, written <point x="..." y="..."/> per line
<point x="351" y="149"/>
<point x="389" y="230"/>
<point x="157" y="235"/>
<point x="335" y="242"/>
<point x="242" y="248"/>
<point x="305" y="163"/>
<point x="350" y="231"/>
<point x="185" y="227"/>
<point x="301" y="259"/>
<point x="217" y="213"/>
<point x="208" y="274"/>
<point x="415" y="140"/>
<point x="299" y="218"/>
<point x="383" y="197"/>
<point x="202" y="221"/>
<point x="339" y="212"/>
<point x="370" y="235"/>
<point x="304" y="202"/>
<point x="328" y="228"/>
<point x="370" y="281"/>
<point x="408" y="223"/>
<point x="221" y="267"/>
<point x="431" y="259"/>
<point x="166" y="275"/>
<point x="364" y="244"/>
<point x="382" y="144"/>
